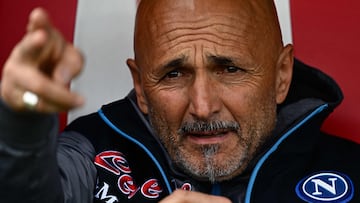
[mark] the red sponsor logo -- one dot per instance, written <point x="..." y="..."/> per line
<point x="113" y="162"/>
<point x="116" y="163"/>
<point x="127" y="186"/>
<point x="151" y="189"/>
<point x="186" y="186"/>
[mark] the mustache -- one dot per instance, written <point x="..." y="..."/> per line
<point x="208" y="126"/>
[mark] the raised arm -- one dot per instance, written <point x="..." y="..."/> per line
<point x="34" y="87"/>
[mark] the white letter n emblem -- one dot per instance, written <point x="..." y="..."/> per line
<point x="319" y="183"/>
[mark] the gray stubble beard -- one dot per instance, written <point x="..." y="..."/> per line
<point x="211" y="171"/>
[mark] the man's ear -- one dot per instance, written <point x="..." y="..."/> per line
<point x="136" y="76"/>
<point x="284" y="70"/>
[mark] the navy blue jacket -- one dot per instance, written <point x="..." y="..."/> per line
<point x="113" y="156"/>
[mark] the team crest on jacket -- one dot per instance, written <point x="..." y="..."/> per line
<point x="325" y="186"/>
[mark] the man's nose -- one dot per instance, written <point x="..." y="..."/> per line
<point x="204" y="96"/>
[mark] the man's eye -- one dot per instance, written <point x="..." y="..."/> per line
<point x="173" y="74"/>
<point x="231" y="69"/>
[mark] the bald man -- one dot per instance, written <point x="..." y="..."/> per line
<point x="220" y="112"/>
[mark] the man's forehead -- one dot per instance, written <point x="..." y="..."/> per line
<point x="198" y="5"/>
<point x="162" y="11"/>
<point x="240" y="22"/>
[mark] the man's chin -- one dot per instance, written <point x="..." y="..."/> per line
<point x="209" y="165"/>
<point x="214" y="176"/>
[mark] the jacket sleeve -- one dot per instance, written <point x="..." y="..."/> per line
<point x="75" y="156"/>
<point x="35" y="167"/>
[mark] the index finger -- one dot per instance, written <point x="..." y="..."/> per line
<point x="42" y="46"/>
<point x="38" y="18"/>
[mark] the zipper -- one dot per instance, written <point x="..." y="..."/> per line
<point x="216" y="190"/>
<point x="274" y="148"/>
<point x="139" y="144"/>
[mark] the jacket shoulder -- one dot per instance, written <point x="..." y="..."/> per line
<point x="337" y="152"/>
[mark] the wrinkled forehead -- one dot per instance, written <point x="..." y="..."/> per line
<point x="163" y="11"/>
<point x="252" y="20"/>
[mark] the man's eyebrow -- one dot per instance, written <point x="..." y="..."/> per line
<point x="220" y="60"/>
<point x="178" y="62"/>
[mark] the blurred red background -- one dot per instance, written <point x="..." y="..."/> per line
<point x="325" y="35"/>
<point x="13" y="19"/>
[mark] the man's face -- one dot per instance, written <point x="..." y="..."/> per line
<point x="208" y="86"/>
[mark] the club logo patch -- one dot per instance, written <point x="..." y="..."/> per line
<point x="326" y="186"/>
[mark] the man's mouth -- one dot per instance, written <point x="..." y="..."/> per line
<point x="212" y="137"/>
<point x="212" y="132"/>
<point x="209" y="134"/>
